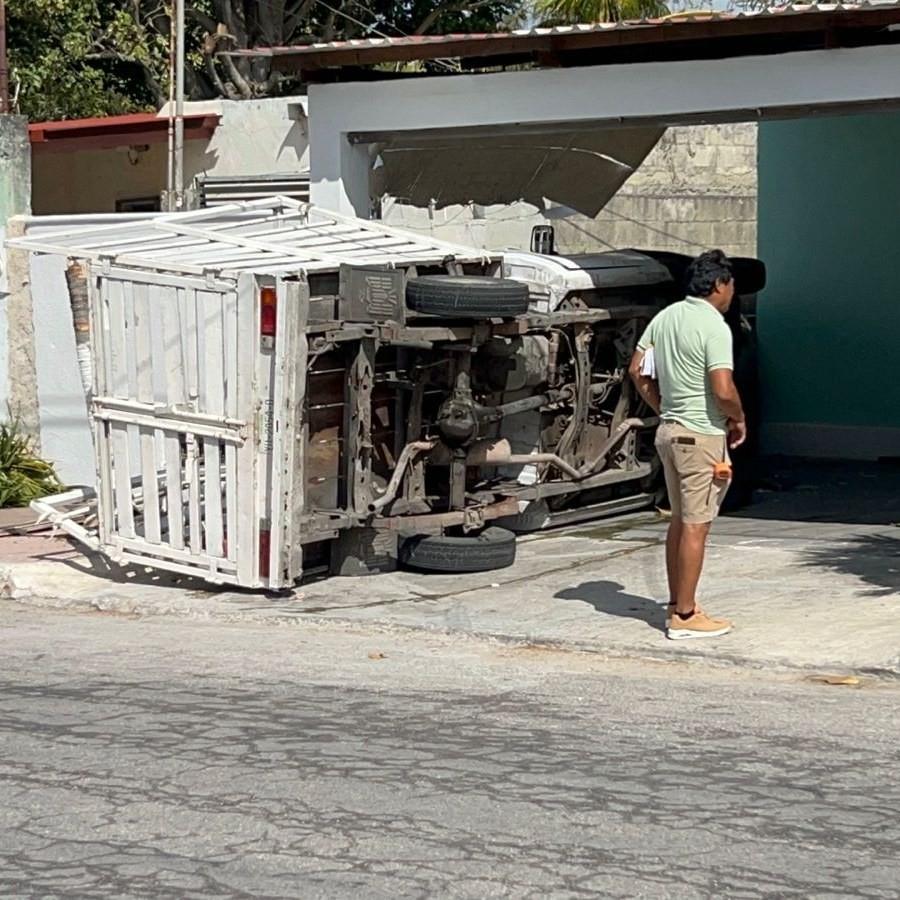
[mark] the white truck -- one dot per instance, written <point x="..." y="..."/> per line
<point x="277" y="389"/>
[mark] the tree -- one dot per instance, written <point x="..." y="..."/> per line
<point x="242" y="24"/>
<point x="570" y="12"/>
<point x="72" y="58"/>
<point x="75" y="58"/>
<point x="59" y="70"/>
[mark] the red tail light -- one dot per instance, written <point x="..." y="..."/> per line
<point x="268" y="311"/>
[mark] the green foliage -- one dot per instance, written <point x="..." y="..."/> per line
<point x="57" y="68"/>
<point x="568" y="12"/>
<point x="78" y="58"/>
<point x="429" y="17"/>
<point x="24" y="476"/>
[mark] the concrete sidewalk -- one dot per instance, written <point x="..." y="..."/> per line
<point x="809" y="595"/>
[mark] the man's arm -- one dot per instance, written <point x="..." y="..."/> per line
<point x="647" y="387"/>
<point x="729" y="401"/>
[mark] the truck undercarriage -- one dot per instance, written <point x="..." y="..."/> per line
<point x="433" y="424"/>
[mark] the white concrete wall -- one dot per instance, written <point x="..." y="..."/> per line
<point x="65" y="432"/>
<point x="497" y="227"/>
<point x="64" y="423"/>
<point x="254" y="137"/>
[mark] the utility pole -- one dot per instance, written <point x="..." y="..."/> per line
<point x="4" y="65"/>
<point x="170" y="153"/>
<point x="179" y="105"/>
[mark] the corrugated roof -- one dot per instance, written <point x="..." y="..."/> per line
<point x="687" y="25"/>
<point x="275" y="235"/>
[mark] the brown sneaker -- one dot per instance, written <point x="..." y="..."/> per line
<point x="699" y="625"/>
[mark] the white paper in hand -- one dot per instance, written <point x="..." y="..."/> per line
<point x="648" y="364"/>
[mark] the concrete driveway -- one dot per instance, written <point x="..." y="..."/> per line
<point x="804" y="588"/>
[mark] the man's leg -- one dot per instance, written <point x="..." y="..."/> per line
<point x="673" y="547"/>
<point x="673" y="489"/>
<point x="689" y="565"/>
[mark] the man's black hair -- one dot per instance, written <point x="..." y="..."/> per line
<point x="706" y="271"/>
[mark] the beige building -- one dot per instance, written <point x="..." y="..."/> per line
<point x="119" y="164"/>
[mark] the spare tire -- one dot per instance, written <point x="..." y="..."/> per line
<point x="467" y="296"/>
<point x="493" y="548"/>
<point x="749" y="272"/>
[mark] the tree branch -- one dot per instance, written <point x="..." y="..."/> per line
<point x="235" y="77"/>
<point x="233" y="20"/>
<point x="203" y="20"/>
<point x="270" y="16"/>
<point x="153" y="85"/>
<point x="295" y="15"/>
<point x="328" y="27"/>
<point x="443" y="8"/>
<point x="214" y="76"/>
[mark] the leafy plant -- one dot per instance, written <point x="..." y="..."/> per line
<point x="568" y="12"/>
<point x="24" y="476"/>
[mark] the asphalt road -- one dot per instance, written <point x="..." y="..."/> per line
<point x="173" y="759"/>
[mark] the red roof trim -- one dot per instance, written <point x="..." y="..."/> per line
<point x="115" y="131"/>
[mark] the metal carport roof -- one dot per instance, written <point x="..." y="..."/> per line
<point x="681" y="35"/>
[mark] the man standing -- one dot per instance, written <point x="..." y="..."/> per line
<point x="701" y="416"/>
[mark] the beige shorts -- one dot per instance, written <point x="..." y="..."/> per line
<point x="688" y="459"/>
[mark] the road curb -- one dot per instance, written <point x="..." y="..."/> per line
<point x="198" y="609"/>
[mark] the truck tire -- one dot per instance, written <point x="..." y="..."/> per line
<point x="467" y="296"/>
<point x="493" y="548"/>
<point x="749" y="273"/>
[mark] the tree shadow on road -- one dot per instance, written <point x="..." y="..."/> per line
<point x="611" y="598"/>
<point x="873" y="558"/>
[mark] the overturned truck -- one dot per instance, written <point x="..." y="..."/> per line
<point x="278" y="389"/>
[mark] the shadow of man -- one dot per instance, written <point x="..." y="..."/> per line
<point x="611" y="598"/>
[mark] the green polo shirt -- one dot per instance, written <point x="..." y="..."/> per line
<point x="689" y="339"/>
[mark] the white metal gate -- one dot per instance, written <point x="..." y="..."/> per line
<point x="193" y="430"/>
<point x="197" y="412"/>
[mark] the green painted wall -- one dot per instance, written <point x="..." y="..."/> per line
<point x="829" y="232"/>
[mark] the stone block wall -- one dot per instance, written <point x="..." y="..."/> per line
<point x="695" y="190"/>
